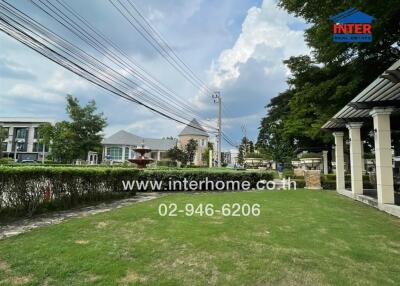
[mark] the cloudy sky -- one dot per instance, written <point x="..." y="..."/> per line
<point x="236" y="47"/>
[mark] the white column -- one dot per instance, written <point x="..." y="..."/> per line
<point x="10" y="139"/>
<point x="355" y="157"/>
<point x="123" y="153"/>
<point x="325" y="159"/>
<point x="362" y="156"/>
<point x="158" y="156"/>
<point x="31" y="135"/>
<point x="339" y="154"/>
<point x="383" y="155"/>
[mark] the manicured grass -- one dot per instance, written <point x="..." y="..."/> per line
<point x="300" y="238"/>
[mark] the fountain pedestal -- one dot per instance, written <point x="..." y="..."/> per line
<point x="142" y="160"/>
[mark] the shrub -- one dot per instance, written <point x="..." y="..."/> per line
<point x="166" y="176"/>
<point x="27" y="190"/>
<point x="310" y="155"/>
<point x="300" y="184"/>
<point x="255" y="155"/>
<point x="328" y="185"/>
<point x="166" y="163"/>
<point x="6" y="161"/>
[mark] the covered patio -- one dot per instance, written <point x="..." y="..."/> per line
<point x="374" y="111"/>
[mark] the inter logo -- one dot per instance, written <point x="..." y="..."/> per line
<point x="352" y="26"/>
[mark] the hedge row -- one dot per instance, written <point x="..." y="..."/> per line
<point x="165" y="177"/>
<point x="28" y="190"/>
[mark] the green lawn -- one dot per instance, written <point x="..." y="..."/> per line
<point x="300" y="238"/>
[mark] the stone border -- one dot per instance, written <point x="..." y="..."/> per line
<point x="390" y="209"/>
<point x="25" y="225"/>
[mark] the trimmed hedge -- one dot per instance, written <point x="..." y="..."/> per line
<point x="29" y="190"/>
<point x="193" y="175"/>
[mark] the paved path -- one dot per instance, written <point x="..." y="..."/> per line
<point x="24" y="225"/>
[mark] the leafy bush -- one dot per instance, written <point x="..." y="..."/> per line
<point x="328" y="185"/>
<point x="300" y="184"/>
<point x="288" y="173"/>
<point x="27" y="190"/>
<point x="369" y="156"/>
<point x="166" y="163"/>
<point x="329" y="182"/>
<point x="166" y="176"/>
<point x="310" y="155"/>
<point x="255" y="155"/>
<point x="6" y="161"/>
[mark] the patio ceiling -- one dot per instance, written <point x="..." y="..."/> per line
<point x="382" y="92"/>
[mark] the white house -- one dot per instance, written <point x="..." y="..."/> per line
<point x="23" y="138"/>
<point x="119" y="146"/>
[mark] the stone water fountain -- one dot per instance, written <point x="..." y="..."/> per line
<point x="142" y="160"/>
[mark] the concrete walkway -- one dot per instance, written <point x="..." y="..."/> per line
<point x="24" y="225"/>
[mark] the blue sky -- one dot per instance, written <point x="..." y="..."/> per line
<point x="234" y="46"/>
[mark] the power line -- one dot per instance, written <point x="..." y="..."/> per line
<point x="77" y="30"/>
<point x="159" y="47"/>
<point x="66" y="54"/>
<point x="142" y="74"/>
<point x="157" y="33"/>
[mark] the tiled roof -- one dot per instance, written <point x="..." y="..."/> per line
<point x="125" y="138"/>
<point x="189" y="130"/>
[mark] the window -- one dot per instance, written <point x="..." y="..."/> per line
<point x="37" y="147"/>
<point x="115" y="153"/>
<point x="20" y="142"/>
<point x="7" y="131"/>
<point x="126" y="153"/>
<point x="21" y="133"/>
<point x="203" y="142"/>
<point x="4" y="146"/>
<point x="36" y="134"/>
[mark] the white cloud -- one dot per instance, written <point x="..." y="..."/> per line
<point x="65" y="82"/>
<point x="26" y="91"/>
<point x="265" y="26"/>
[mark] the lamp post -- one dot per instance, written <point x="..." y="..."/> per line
<point x="16" y="148"/>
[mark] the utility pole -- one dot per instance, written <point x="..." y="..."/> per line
<point x="244" y="136"/>
<point x="217" y="99"/>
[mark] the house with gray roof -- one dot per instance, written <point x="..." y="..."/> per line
<point x="194" y="131"/>
<point x="119" y="146"/>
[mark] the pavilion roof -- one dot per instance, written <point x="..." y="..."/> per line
<point x="382" y="92"/>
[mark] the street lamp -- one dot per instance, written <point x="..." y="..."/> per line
<point x="17" y="148"/>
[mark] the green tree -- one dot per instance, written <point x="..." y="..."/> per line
<point x="246" y="146"/>
<point x="3" y="136"/>
<point x="71" y="140"/>
<point x="45" y="133"/>
<point x="321" y="85"/>
<point x="206" y="153"/>
<point x="86" y="126"/>
<point x="190" y="149"/>
<point x="178" y="155"/>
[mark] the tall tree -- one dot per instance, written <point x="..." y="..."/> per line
<point x="86" y="126"/>
<point x="206" y="153"/>
<point x="71" y="140"/>
<point x="177" y="155"/>
<point x="191" y="148"/>
<point x="321" y="85"/>
<point x="246" y="146"/>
